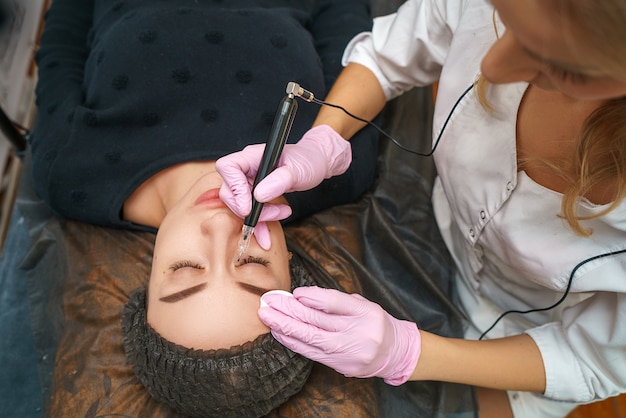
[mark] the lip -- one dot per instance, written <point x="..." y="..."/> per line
<point x="210" y="199"/>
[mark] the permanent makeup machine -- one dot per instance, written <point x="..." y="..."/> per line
<point x="275" y="143"/>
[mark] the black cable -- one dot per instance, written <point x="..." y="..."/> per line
<point x="558" y="302"/>
<point x="396" y="142"/>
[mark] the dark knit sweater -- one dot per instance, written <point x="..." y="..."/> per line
<point x="128" y="88"/>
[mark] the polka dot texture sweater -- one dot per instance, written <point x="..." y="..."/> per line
<point x="128" y="88"/>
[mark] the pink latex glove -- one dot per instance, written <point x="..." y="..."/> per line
<point x="343" y="331"/>
<point x="269" y="213"/>
<point x="320" y="154"/>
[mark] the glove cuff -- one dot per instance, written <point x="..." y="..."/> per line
<point x="407" y="352"/>
<point x="337" y="150"/>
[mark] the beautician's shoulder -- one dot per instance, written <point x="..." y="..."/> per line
<point x="448" y="12"/>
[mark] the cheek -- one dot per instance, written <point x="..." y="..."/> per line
<point x="278" y="237"/>
<point x="178" y="232"/>
<point x="279" y="257"/>
<point x="505" y="62"/>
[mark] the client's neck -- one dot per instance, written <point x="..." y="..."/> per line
<point x="151" y="201"/>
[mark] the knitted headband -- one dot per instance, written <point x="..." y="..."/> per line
<point x="247" y="380"/>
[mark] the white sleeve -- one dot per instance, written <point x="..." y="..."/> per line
<point x="585" y="354"/>
<point x="407" y="48"/>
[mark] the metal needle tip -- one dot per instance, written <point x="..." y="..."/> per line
<point x="244" y="241"/>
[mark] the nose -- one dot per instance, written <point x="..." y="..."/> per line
<point x="221" y="224"/>
<point x="221" y="233"/>
<point x="507" y="62"/>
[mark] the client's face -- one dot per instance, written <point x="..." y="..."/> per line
<point x="198" y="296"/>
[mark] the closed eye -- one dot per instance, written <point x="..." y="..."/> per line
<point x="567" y="75"/>
<point x="252" y="259"/>
<point x="184" y="264"/>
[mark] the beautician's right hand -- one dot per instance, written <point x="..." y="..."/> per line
<point x="320" y="154"/>
<point x="346" y="332"/>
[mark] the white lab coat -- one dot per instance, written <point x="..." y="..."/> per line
<point x="503" y="229"/>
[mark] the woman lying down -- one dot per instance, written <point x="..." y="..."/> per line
<point x="135" y="103"/>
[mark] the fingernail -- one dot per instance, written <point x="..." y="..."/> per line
<point x="272" y="212"/>
<point x="263" y="239"/>
<point x="272" y="295"/>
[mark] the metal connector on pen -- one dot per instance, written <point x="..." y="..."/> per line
<point x="275" y="143"/>
<point x="295" y="89"/>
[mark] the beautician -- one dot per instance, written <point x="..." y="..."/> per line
<point x="530" y="149"/>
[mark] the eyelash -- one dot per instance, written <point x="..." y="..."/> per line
<point x="252" y="259"/>
<point x="567" y="76"/>
<point x="185" y="263"/>
<point x="190" y="264"/>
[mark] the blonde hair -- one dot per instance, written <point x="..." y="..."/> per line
<point x="600" y="149"/>
<point x="600" y="158"/>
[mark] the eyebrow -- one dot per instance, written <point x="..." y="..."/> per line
<point x="185" y="293"/>
<point x="252" y="288"/>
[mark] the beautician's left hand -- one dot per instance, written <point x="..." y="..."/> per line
<point x="343" y="331"/>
